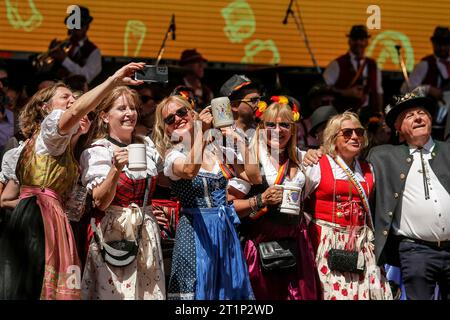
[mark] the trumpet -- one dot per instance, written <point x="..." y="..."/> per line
<point x="44" y="61"/>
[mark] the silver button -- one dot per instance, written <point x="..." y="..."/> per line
<point x="390" y="213"/>
<point x="408" y="160"/>
<point x="385" y="233"/>
<point x="402" y="176"/>
<point x="396" y="195"/>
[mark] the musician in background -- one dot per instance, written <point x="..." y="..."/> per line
<point x="433" y="72"/>
<point x="355" y="78"/>
<point x="84" y="57"/>
<point x="194" y="64"/>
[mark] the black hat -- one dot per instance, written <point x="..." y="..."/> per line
<point x="85" y="16"/>
<point x="416" y="98"/>
<point x="320" y="116"/>
<point x="233" y="84"/>
<point x="191" y="56"/>
<point x="441" y="35"/>
<point x="358" y="32"/>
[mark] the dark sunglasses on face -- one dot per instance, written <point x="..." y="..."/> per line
<point x="273" y="125"/>
<point x="348" y="132"/>
<point x="146" y="99"/>
<point x="170" y="119"/>
<point x="253" y="100"/>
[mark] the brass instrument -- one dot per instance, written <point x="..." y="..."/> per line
<point x="43" y="62"/>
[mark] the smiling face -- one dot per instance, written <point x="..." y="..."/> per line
<point x="414" y="125"/>
<point x="348" y="147"/>
<point x="278" y="131"/>
<point x="181" y="123"/>
<point x="121" y="117"/>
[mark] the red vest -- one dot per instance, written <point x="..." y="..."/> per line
<point x="346" y="75"/>
<point x="348" y="209"/>
<point x="433" y="72"/>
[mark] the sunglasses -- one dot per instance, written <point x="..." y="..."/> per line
<point x="253" y="100"/>
<point x="146" y="99"/>
<point x="348" y="132"/>
<point x="273" y="125"/>
<point x="181" y="113"/>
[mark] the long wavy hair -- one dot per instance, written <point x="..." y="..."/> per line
<point x="34" y="112"/>
<point x="274" y="111"/>
<point x="100" y="129"/>
<point x="162" y="140"/>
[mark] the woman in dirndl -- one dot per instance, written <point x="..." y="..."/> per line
<point x="38" y="253"/>
<point x="341" y="187"/>
<point x="258" y="205"/>
<point x="120" y="212"/>
<point x="207" y="262"/>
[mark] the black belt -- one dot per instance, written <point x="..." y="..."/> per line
<point x="438" y="244"/>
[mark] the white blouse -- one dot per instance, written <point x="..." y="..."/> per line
<point x="180" y="152"/>
<point x="9" y="164"/>
<point x="96" y="162"/>
<point x="270" y="173"/>
<point x="49" y="140"/>
<point x="314" y="176"/>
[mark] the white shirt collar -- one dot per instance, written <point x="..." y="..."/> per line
<point x="428" y="147"/>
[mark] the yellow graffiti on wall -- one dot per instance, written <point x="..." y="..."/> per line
<point x="15" y="18"/>
<point x="387" y="40"/>
<point x="134" y="35"/>
<point x="256" y="46"/>
<point x="240" y="21"/>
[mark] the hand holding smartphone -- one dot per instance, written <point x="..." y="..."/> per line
<point x="153" y="73"/>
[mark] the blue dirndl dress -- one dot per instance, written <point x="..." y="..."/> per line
<point x="207" y="262"/>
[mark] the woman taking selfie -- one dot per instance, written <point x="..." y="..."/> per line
<point x="39" y="258"/>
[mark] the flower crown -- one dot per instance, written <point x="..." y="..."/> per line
<point x="186" y="93"/>
<point x="283" y="100"/>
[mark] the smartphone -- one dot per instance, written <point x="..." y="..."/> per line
<point x="152" y="73"/>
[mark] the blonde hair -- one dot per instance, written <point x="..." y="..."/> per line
<point x="34" y="112"/>
<point x="284" y="112"/>
<point x="99" y="129"/>
<point x="334" y="126"/>
<point x="162" y="140"/>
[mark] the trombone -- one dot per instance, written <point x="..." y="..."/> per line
<point x="44" y="61"/>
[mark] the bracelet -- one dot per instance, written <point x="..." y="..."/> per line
<point x="259" y="202"/>
<point x="253" y="205"/>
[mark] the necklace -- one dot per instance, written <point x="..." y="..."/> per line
<point x="117" y="143"/>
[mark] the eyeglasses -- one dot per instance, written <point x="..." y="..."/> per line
<point x="273" y="125"/>
<point x="347" y="133"/>
<point x="253" y="100"/>
<point x="170" y="119"/>
<point x="146" y="99"/>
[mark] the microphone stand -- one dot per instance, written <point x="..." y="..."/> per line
<point x="301" y="29"/>
<point x="163" y="45"/>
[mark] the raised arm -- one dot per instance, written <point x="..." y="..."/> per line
<point x="89" y="101"/>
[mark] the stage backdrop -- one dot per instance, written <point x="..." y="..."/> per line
<point x="240" y="31"/>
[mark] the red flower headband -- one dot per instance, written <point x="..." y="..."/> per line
<point x="262" y="106"/>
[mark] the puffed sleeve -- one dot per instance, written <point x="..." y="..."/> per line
<point x="50" y="140"/>
<point x="171" y="156"/>
<point x="155" y="163"/>
<point x="312" y="178"/>
<point x="95" y="164"/>
<point x="240" y="185"/>
<point x="9" y="164"/>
